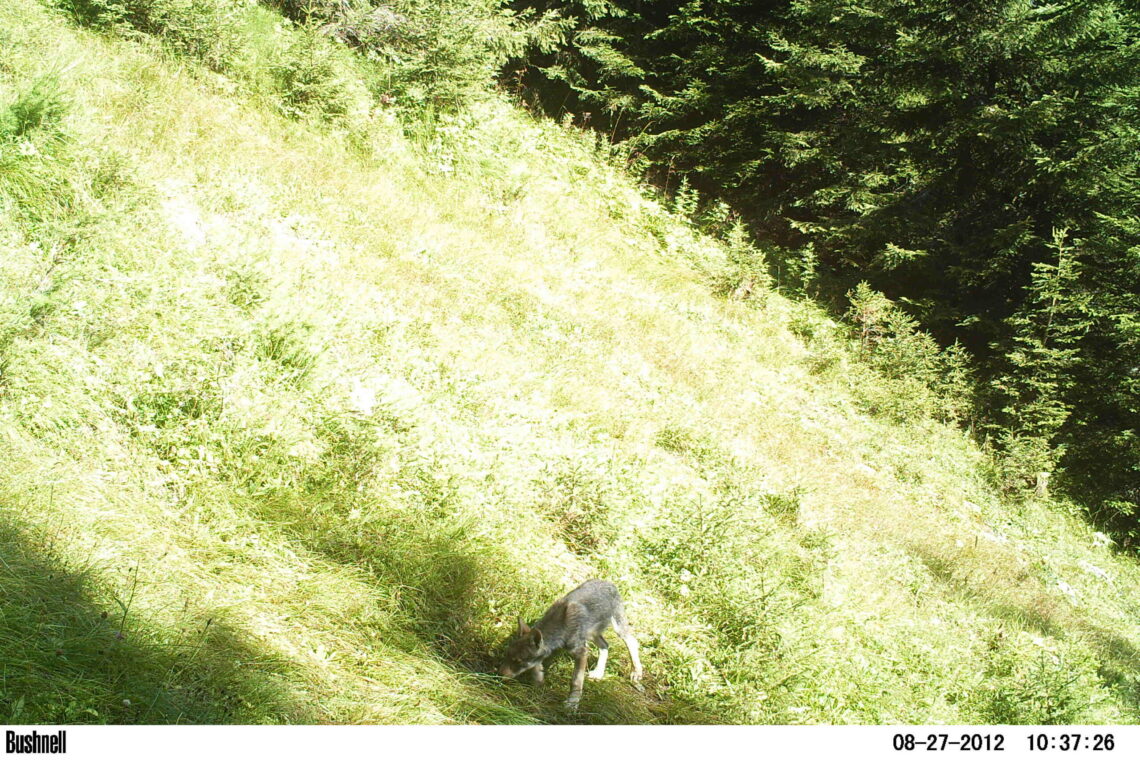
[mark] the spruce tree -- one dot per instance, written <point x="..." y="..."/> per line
<point x="930" y="148"/>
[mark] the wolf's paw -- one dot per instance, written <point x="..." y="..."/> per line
<point x="636" y="678"/>
<point x="571" y="704"/>
<point x="595" y="676"/>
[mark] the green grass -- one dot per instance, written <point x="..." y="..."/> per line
<point x="300" y="408"/>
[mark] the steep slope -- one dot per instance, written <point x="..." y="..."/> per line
<point x="296" y="419"/>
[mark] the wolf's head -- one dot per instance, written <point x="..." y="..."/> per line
<point x="523" y="653"/>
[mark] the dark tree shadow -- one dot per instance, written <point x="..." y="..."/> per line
<point x="70" y="653"/>
<point x="1119" y="663"/>
<point x="1118" y="656"/>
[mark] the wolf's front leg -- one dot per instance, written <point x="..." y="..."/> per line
<point x="580" y="657"/>
<point x="539" y="674"/>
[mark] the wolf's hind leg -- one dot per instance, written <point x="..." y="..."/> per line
<point x="603" y="653"/>
<point x="622" y="626"/>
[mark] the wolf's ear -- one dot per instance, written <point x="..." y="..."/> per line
<point x="523" y="629"/>
<point x="536" y="636"/>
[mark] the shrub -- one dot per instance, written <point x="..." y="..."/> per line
<point x="202" y="29"/>
<point x="437" y="53"/>
<point x="746" y="269"/>
<point x="1033" y="680"/>
<point x="312" y="78"/>
<point x="922" y="380"/>
<point x="39" y="107"/>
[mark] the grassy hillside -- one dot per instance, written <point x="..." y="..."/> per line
<point x="297" y="414"/>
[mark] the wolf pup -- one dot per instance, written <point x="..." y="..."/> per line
<point x="575" y="619"/>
